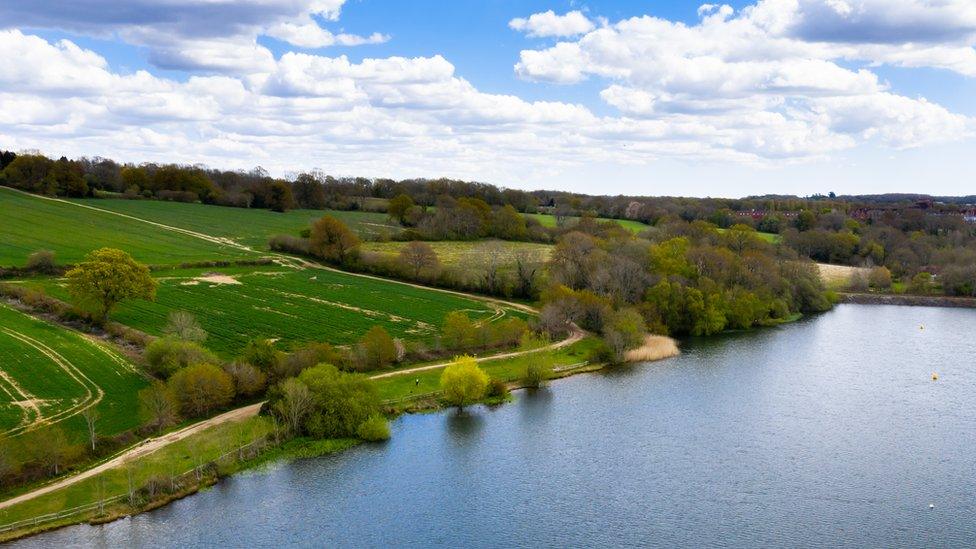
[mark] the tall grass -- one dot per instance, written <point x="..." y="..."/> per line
<point x="655" y="347"/>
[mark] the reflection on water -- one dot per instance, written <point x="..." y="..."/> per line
<point x="827" y="432"/>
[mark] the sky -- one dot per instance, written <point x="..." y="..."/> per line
<point x="647" y="97"/>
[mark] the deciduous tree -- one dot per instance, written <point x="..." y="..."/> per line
<point x="463" y="382"/>
<point x="106" y="277"/>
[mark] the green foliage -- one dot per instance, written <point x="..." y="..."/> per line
<point x="106" y="277"/>
<point x="399" y="206"/>
<point x="921" y="283"/>
<point x="538" y="371"/>
<point x="165" y="356"/>
<point x="458" y="332"/>
<point x="342" y="402"/>
<point x="376" y="349"/>
<point x="261" y="353"/>
<point x="374" y="429"/>
<point x="463" y="382"/>
<point x="332" y="240"/>
<point x="623" y="330"/>
<point x="201" y="389"/>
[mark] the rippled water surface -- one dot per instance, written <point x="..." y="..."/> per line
<point x="825" y="432"/>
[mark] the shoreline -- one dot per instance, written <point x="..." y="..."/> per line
<point x="907" y="300"/>
<point x="291" y="450"/>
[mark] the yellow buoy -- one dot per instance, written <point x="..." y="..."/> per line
<point x="935" y="376"/>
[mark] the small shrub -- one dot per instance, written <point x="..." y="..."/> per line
<point x="537" y="372"/>
<point x="374" y="429"/>
<point x="41" y="261"/>
<point x="289" y="244"/>
<point x="497" y="389"/>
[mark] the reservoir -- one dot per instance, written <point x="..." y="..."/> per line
<point x="826" y="432"/>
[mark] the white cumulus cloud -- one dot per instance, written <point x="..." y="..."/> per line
<point x="547" y="24"/>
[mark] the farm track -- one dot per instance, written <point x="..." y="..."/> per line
<point x="238" y="414"/>
<point x="93" y="393"/>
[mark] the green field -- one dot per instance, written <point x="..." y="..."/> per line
<point x="31" y="223"/>
<point x="51" y="374"/>
<point x="466" y="253"/>
<point x="251" y="227"/>
<point x="549" y="220"/>
<point x="292" y="306"/>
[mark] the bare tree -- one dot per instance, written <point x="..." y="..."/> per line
<point x="158" y="406"/>
<point x="418" y="257"/>
<point x="183" y="325"/>
<point x="90" y="416"/>
<point x="492" y="255"/>
<point x="527" y="264"/>
<point x="296" y="403"/>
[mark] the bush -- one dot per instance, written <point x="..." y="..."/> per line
<point x="497" y="389"/>
<point x="858" y="282"/>
<point x="41" y="261"/>
<point x="248" y="380"/>
<point x="302" y="359"/>
<point x="374" y="429"/>
<point x="880" y="278"/>
<point x="201" y="388"/>
<point x="340" y="402"/>
<point x="289" y="244"/>
<point x="184" y="326"/>
<point x="376" y="349"/>
<point x="166" y="355"/>
<point x="261" y="353"/>
<point x="538" y="371"/>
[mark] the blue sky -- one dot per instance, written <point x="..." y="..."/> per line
<point x="651" y="97"/>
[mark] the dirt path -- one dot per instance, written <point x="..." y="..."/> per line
<point x="574" y="336"/>
<point x="147" y="447"/>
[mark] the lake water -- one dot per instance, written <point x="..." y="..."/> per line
<point x="826" y="432"/>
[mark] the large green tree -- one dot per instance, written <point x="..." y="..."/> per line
<point x="106" y="277"/>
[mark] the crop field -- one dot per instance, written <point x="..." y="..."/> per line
<point x="30" y="223"/>
<point x="49" y="374"/>
<point x="461" y="254"/>
<point x="293" y="306"/>
<point x="251" y="227"/>
<point x="548" y="220"/>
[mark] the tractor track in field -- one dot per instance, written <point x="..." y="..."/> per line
<point x="93" y="393"/>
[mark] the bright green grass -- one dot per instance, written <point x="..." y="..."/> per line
<point x="29" y="223"/>
<point x="548" y="220"/>
<point x="511" y="369"/>
<point x="251" y="227"/>
<point x="23" y="341"/>
<point x="292" y="306"/>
